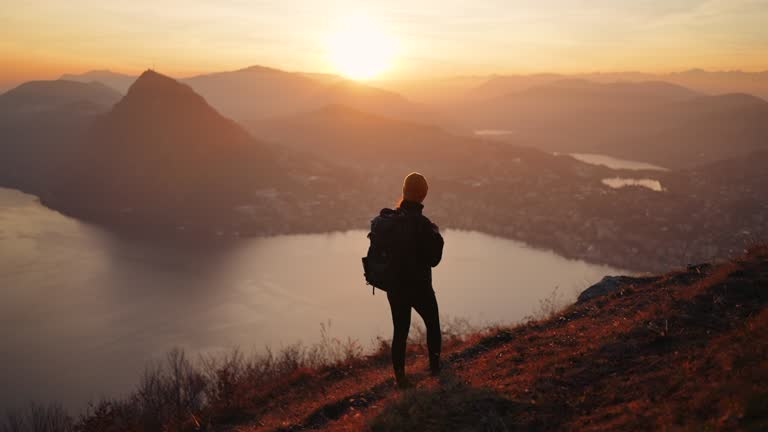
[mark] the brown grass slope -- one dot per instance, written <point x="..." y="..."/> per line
<point x="688" y="351"/>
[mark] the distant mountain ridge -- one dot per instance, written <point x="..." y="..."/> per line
<point x="653" y="122"/>
<point x="164" y="159"/>
<point x="258" y="92"/>
<point x="358" y="138"/>
<point x="489" y="86"/>
<point x="41" y="122"/>
<point x="37" y="96"/>
<point x="710" y="82"/>
<point x="118" y="81"/>
<point x="585" y="91"/>
<point x="162" y="152"/>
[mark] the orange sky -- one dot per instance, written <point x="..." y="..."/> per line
<point x="43" y="39"/>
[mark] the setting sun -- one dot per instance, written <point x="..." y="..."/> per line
<point x="560" y="207"/>
<point x="360" y="49"/>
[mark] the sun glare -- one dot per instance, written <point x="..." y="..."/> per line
<point x="360" y="49"/>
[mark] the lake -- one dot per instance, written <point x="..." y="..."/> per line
<point x="615" y="163"/>
<point x="83" y="310"/>
<point x="619" y="182"/>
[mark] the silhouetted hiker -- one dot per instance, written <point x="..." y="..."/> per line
<point x="405" y="245"/>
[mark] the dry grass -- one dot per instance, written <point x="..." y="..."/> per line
<point x="687" y="352"/>
<point x="184" y="394"/>
<point x="37" y="418"/>
<point x="549" y="307"/>
<point x="181" y="394"/>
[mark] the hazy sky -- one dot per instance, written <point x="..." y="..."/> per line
<point x="42" y="39"/>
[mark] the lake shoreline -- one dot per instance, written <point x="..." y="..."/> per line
<point x="198" y="235"/>
<point x="104" y="305"/>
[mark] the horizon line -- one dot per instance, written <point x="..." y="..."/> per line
<point x="10" y="84"/>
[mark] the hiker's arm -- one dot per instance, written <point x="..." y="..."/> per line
<point x="434" y="245"/>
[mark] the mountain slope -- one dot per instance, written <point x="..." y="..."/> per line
<point x="681" y="351"/>
<point x="356" y="138"/>
<point x="117" y="81"/>
<point x="40" y="123"/>
<point x="257" y="92"/>
<point x="699" y="131"/>
<point x="162" y="156"/>
<point x="163" y="160"/>
<point x="380" y="146"/>
<point x="653" y="122"/>
<point x="571" y="100"/>
<point x="41" y="96"/>
<point x="687" y="350"/>
<point x="709" y="82"/>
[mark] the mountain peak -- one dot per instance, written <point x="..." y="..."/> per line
<point x="156" y="102"/>
<point x="150" y="73"/>
<point x="159" y="94"/>
<point x="150" y="80"/>
<point x="261" y="69"/>
<point x="162" y="146"/>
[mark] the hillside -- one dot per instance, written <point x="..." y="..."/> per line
<point x="574" y="106"/>
<point x="156" y="150"/>
<point x="257" y="92"/>
<point x="547" y="201"/>
<point x="655" y="122"/>
<point x="693" y="132"/>
<point x="652" y="118"/>
<point x="40" y="122"/>
<point x="383" y="145"/>
<point x="709" y="82"/>
<point x="687" y="350"/>
<point x="162" y="158"/>
<point x="43" y="96"/>
<point x="118" y="81"/>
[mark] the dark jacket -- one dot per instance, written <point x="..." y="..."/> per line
<point x="418" y="247"/>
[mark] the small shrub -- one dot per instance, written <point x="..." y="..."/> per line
<point x="549" y="307"/>
<point x="453" y="329"/>
<point x="180" y="394"/>
<point x="37" y="418"/>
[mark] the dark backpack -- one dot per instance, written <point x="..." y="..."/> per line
<point x="379" y="265"/>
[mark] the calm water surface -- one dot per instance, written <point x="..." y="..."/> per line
<point x="619" y="182"/>
<point x="615" y="163"/>
<point x="82" y="310"/>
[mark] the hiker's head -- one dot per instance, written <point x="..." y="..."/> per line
<point x="415" y="187"/>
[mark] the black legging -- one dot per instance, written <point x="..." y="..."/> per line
<point x="425" y="303"/>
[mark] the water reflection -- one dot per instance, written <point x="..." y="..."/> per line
<point x="615" y="163"/>
<point x="83" y="310"/>
<point x="618" y="182"/>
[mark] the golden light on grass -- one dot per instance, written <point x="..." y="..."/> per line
<point x="360" y="49"/>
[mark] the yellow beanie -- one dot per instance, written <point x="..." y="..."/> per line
<point x="415" y="187"/>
